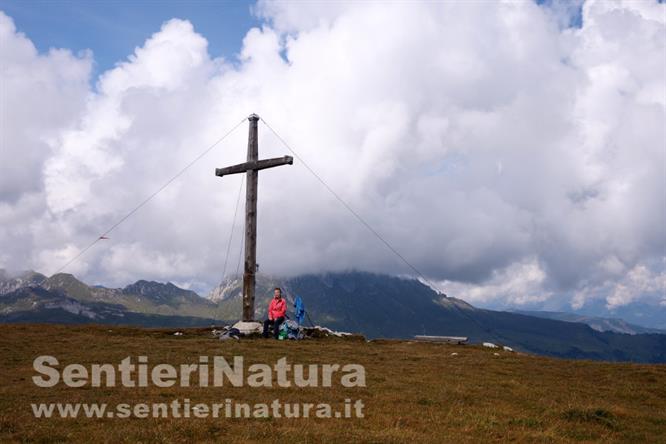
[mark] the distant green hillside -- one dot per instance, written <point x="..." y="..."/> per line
<point x="140" y="297"/>
<point x="39" y="305"/>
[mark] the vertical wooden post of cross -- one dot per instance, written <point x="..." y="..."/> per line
<point x="251" y="168"/>
<point x="249" y="275"/>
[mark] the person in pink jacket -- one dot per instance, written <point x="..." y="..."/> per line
<point x="277" y="309"/>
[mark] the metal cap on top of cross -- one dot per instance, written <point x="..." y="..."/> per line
<point x="251" y="169"/>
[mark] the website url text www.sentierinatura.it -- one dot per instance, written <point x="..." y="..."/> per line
<point x="229" y="408"/>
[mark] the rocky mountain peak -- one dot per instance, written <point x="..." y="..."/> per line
<point x="158" y="290"/>
<point x="13" y="281"/>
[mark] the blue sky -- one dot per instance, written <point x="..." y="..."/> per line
<point x="112" y="29"/>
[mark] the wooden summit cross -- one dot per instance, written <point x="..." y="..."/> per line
<point x="251" y="168"/>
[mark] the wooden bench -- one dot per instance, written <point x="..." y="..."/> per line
<point x="446" y="339"/>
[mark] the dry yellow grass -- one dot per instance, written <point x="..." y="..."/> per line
<point x="415" y="392"/>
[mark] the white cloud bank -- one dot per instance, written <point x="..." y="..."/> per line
<point x="508" y="157"/>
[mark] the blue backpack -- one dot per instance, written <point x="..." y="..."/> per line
<point x="299" y="310"/>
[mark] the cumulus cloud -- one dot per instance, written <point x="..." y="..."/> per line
<point x="40" y="94"/>
<point x="520" y="284"/>
<point x="506" y="154"/>
<point x="642" y="283"/>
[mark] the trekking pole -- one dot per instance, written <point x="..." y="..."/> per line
<point x="309" y="320"/>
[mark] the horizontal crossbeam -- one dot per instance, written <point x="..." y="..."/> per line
<point x="254" y="165"/>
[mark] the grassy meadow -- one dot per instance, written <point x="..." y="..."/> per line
<point x="416" y="392"/>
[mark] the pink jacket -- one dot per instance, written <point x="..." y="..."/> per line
<point x="277" y="308"/>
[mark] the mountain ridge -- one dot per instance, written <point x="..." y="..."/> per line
<point x="371" y="304"/>
<point x="143" y="296"/>
<point x="387" y="306"/>
<point x="598" y="323"/>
